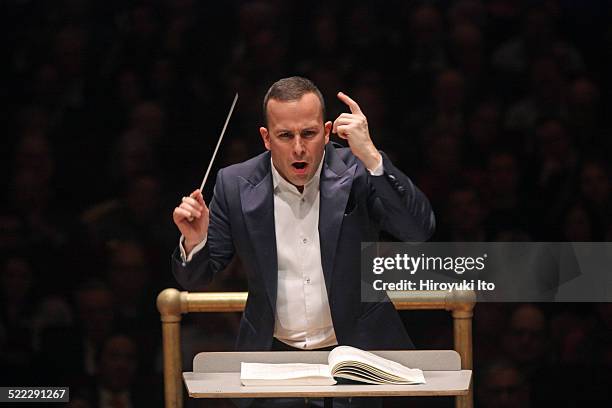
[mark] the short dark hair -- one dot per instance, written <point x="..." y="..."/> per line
<point x="291" y="89"/>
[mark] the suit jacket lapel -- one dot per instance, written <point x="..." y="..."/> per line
<point x="257" y="200"/>
<point x="335" y="187"/>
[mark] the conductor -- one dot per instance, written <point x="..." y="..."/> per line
<point x="296" y="215"/>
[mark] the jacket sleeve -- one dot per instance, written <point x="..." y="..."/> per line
<point x="219" y="248"/>
<point x="399" y="206"/>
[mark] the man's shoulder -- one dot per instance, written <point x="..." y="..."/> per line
<point x="345" y="154"/>
<point x="336" y="154"/>
<point x="247" y="168"/>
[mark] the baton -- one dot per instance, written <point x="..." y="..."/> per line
<point x="229" y="115"/>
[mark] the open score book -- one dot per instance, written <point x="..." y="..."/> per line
<point x="344" y="362"/>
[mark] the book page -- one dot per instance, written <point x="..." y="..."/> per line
<point x="345" y="356"/>
<point x="285" y="374"/>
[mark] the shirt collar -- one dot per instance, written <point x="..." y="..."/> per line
<point x="280" y="184"/>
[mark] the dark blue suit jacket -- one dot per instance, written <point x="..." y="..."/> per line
<point x="354" y="207"/>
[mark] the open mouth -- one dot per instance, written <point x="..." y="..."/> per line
<point x="300" y="167"/>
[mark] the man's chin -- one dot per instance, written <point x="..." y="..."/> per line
<point x="300" y="180"/>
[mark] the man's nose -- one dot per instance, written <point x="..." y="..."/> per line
<point x="298" y="146"/>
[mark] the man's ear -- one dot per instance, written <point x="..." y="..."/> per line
<point x="328" y="127"/>
<point x="265" y="136"/>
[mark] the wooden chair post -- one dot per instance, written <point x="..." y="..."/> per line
<point x="462" y="312"/>
<point x="169" y="306"/>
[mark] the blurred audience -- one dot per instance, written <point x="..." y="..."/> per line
<point x="117" y="383"/>
<point x="502" y="385"/>
<point x="498" y="109"/>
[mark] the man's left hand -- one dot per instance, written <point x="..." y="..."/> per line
<point x="354" y="128"/>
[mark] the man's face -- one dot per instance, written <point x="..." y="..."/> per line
<point x="296" y="137"/>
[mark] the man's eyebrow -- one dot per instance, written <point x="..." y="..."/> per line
<point x="311" y="128"/>
<point x="279" y="131"/>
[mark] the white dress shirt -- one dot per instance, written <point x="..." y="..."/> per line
<point x="303" y="317"/>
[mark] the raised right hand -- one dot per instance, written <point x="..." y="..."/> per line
<point x="192" y="217"/>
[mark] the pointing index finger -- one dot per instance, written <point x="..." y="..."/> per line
<point x="355" y="109"/>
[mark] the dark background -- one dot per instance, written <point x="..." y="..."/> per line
<point x="498" y="110"/>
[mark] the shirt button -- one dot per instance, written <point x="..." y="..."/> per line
<point x="307" y="281"/>
<point x="304" y="240"/>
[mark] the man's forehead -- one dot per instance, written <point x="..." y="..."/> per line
<point x="307" y="109"/>
<point x="291" y="125"/>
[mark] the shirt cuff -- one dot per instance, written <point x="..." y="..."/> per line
<point x="186" y="257"/>
<point x="378" y="170"/>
